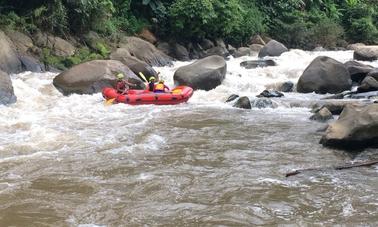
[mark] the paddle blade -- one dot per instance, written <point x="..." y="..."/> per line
<point x="143" y="77"/>
<point x="109" y="102"/>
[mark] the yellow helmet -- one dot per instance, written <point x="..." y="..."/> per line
<point x="120" y="76"/>
<point x="161" y="81"/>
<point x="151" y="78"/>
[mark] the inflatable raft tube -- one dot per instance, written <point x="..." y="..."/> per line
<point x="178" y="95"/>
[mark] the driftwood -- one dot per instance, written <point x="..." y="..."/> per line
<point x="346" y="166"/>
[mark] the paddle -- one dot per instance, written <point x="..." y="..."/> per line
<point x="143" y="77"/>
<point x="109" y="102"/>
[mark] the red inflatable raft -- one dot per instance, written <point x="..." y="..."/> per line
<point x="178" y="95"/>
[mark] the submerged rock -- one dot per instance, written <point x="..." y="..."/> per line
<point x="232" y="98"/>
<point x="322" y="115"/>
<point x="243" y="103"/>
<point x="91" y="77"/>
<point x="6" y="90"/>
<point x="270" y="94"/>
<point x="257" y="63"/>
<point x="204" y="74"/>
<point x="357" y="127"/>
<point x="324" y="75"/>
<point x="263" y="103"/>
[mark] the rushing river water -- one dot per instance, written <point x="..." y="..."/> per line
<point x="71" y="161"/>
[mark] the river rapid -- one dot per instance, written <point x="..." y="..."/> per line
<point x="72" y="161"/>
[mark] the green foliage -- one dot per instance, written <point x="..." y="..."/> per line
<point x="294" y="22"/>
<point x="102" y="50"/>
<point x="326" y="33"/>
<point x="192" y="18"/>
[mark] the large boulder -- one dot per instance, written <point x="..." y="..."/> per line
<point x="6" y="89"/>
<point x="357" y="70"/>
<point x="272" y="48"/>
<point x="136" y="65"/>
<point x="145" y="51"/>
<point x="9" y="61"/>
<point x="180" y="52"/>
<point x="324" y="75"/>
<point x="91" y="77"/>
<point x="205" y="74"/>
<point x="357" y="127"/>
<point x="59" y="46"/>
<point x="22" y="42"/>
<point x="366" y="53"/>
<point x="148" y="36"/>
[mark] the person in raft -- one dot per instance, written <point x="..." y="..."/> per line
<point x="122" y="85"/>
<point x="160" y="87"/>
<point x="151" y="84"/>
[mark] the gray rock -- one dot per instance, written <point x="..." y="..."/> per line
<point x="6" y="90"/>
<point x="373" y="73"/>
<point x="355" y="46"/>
<point x="9" y="61"/>
<point x="287" y="86"/>
<point x="145" y="51"/>
<point x="357" y="127"/>
<point x="243" y="103"/>
<point x="231" y="49"/>
<point x="270" y="94"/>
<point x="165" y="48"/>
<point x="263" y="103"/>
<point x="256" y="47"/>
<point x="22" y="42"/>
<point x="31" y="64"/>
<point x="136" y="65"/>
<point x="257" y="63"/>
<point x="322" y="115"/>
<point x="324" y="75"/>
<point x="232" y="98"/>
<point x="91" y="77"/>
<point x="272" y="48"/>
<point x="218" y="50"/>
<point x="358" y="71"/>
<point x="366" y="53"/>
<point x="205" y="74"/>
<point x="368" y="84"/>
<point x="242" y="51"/>
<point x="180" y="52"/>
<point x="256" y="40"/>
<point x="206" y="44"/>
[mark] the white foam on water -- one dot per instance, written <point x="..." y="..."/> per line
<point x="45" y="120"/>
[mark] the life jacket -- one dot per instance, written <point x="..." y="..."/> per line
<point x="159" y="87"/>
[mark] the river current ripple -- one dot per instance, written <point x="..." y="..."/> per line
<point x="71" y="161"/>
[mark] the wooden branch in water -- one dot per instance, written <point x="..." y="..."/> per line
<point x="346" y="166"/>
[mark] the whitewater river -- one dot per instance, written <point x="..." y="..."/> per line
<point x="71" y="161"/>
